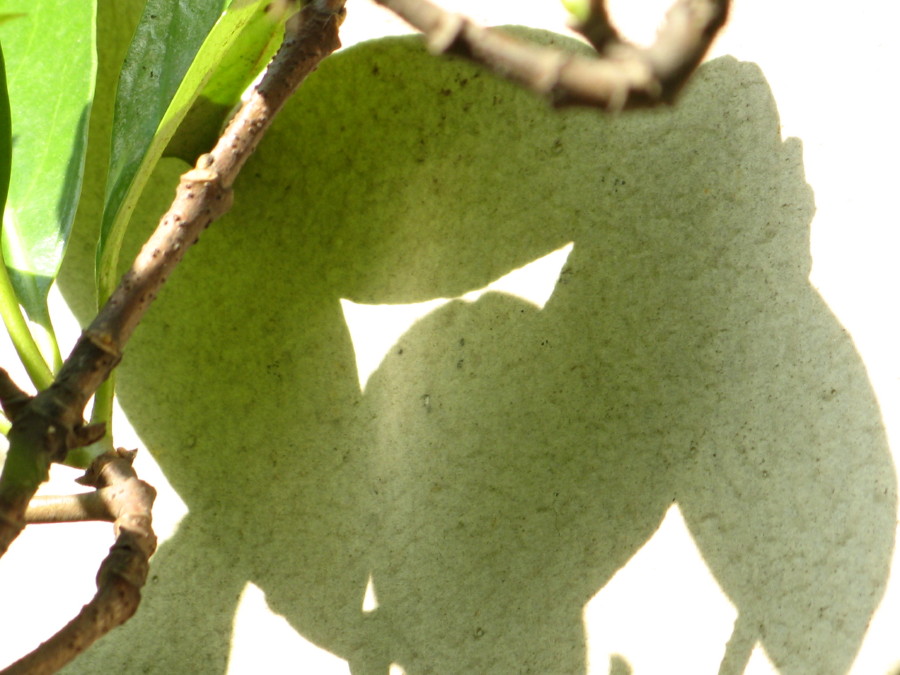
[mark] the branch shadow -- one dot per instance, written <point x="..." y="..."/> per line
<point x="683" y="357"/>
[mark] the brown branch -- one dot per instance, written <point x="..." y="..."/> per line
<point x="622" y="77"/>
<point x="122" y="574"/>
<point x="598" y="29"/>
<point x="77" y="508"/>
<point x="51" y="423"/>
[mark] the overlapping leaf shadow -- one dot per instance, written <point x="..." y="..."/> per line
<point x="505" y="461"/>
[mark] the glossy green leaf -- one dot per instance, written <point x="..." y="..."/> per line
<point x="116" y="24"/>
<point x="173" y="55"/>
<point x="50" y="52"/>
<point x="9" y="303"/>
<point x="246" y="57"/>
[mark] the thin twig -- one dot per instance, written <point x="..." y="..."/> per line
<point x="621" y="77"/>
<point x="77" y="508"/>
<point x="122" y="574"/>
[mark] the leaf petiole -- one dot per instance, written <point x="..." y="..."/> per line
<point x="21" y="336"/>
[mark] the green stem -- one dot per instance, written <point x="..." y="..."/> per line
<point x="45" y="336"/>
<point x="103" y="402"/>
<point x="53" y="347"/>
<point x="21" y="336"/>
<point x="81" y="458"/>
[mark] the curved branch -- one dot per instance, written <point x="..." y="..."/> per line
<point x="622" y="77"/>
<point x="127" y="501"/>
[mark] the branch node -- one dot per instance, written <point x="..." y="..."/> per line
<point x="97" y="474"/>
<point x="104" y="341"/>
<point x="201" y="174"/>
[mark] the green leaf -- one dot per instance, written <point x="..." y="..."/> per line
<point x="50" y="50"/>
<point x="246" y="57"/>
<point x="5" y="134"/>
<point x="579" y="9"/>
<point x="172" y="57"/>
<point x="116" y="24"/>
<point x="9" y="304"/>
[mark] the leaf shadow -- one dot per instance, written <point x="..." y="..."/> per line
<point x="682" y="357"/>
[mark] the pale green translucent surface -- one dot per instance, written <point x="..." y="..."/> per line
<point x="504" y="462"/>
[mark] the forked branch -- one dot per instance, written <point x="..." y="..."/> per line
<point x="622" y="76"/>
<point x="127" y="501"/>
